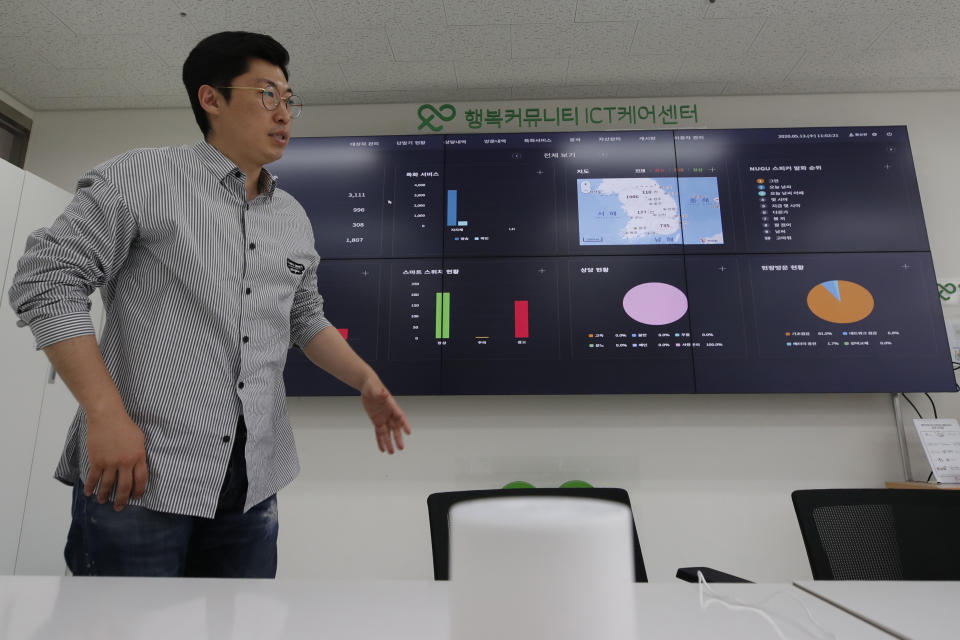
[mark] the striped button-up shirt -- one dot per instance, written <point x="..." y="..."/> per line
<point x="204" y="293"/>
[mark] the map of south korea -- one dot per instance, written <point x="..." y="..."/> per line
<point x="625" y="211"/>
<point x="650" y="210"/>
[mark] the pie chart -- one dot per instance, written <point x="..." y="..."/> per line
<point x="840" y="301"/>
<point x="655" y="303"/>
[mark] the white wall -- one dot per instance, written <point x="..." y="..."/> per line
<point x="17" y="442"/>
<point x="709" y="476"/>
<point x="26" y="202"/>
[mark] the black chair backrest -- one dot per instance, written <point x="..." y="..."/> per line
<point x="880" y="534"/>
<point x="439" y="504"/>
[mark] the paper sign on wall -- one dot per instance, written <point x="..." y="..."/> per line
<point x="941" y="442"/>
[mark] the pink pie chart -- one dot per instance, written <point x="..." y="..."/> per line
<point x="655" y="303"/>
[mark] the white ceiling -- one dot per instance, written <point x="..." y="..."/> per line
<point x="88" y="54"/>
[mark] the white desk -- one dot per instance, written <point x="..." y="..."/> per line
<point x="181" y="609"/>
<point x="915" y="610"/>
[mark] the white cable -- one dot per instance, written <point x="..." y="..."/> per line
<point x="736" y="605"/>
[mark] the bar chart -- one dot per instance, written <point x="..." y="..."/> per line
<point x="442" y="314"/>
<point x="516" y="318"/>
<point x="521" y="319"/>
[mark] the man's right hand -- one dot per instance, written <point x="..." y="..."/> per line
<point x="115" y="445"/>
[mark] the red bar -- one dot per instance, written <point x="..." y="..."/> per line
<point x="521" y="319"/>
<point x="344" y="332"/>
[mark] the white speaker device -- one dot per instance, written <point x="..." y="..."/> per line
<point x="541" y="567"/>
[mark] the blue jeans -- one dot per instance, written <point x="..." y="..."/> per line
<point x="141" y="542"/>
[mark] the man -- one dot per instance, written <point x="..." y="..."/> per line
<point x="208" y="275"/>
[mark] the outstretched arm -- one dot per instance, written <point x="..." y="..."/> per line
<point x="329" y="351"/>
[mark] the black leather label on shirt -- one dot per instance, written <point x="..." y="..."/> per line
<point x="295" y="267"/>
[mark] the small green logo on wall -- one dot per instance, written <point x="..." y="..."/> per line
<point x="428" y="113"/>
<point x="949" y="290"/>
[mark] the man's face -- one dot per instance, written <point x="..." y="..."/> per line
<point x="257" y="135"/>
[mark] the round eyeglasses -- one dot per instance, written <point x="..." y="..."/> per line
<point x="270" y="97"/>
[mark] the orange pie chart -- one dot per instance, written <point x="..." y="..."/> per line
<point x="840" y="301"/>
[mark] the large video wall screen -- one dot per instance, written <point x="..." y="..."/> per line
<point x="702" y="261"/>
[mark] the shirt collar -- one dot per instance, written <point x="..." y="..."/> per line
<point x="223" y="168"/>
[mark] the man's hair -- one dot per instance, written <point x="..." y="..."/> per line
<point x="218" y="59"/>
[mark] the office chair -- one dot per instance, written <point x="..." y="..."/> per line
<point x="880" y="534"/>
<point x="439" y="504"/>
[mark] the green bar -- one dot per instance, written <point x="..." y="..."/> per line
<point x="439" y="322"/>
<point x="446" y="315"/>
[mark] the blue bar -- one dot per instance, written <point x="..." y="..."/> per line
<point x="452" y="207"/>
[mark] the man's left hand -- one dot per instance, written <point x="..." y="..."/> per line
<point x="389" y="421"/>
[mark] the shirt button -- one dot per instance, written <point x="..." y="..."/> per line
<point x="246" y="339"/>
<point x="240" y="385"/>
<point x="226" y="438"/>
<point x="253" y="245"/>
<point x="248" y="290"/>
<point x="237" y="174"/>
<point x="247" y="205"/>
